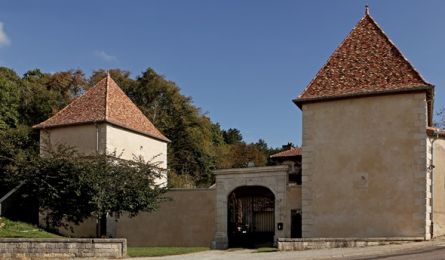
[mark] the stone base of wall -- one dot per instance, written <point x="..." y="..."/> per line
<point x="61" y="248"/>
<point x="299" y="244"/>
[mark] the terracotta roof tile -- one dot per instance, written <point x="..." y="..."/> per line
<point x="293" y="151"/>
<point x="365" y="63"/>
<point x="105" y="102"/>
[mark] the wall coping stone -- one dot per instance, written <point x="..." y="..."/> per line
<point x="279" y="168"/>
<point x="351" y="239"/>
<point x="66" y="247"/>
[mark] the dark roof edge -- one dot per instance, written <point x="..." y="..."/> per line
<point x="300" y="101"/>
<point x="166" y="140"/>
<point x="435" y="132"/>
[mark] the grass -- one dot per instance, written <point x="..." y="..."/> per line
<point x="9" y="228"/>
<point x="162" y="251"/>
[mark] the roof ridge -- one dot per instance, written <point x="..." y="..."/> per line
<point x="397" y="48"/>
<point x="107" y="84"/>
<point x="332" y="54"/>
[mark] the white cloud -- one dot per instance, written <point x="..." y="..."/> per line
<point x="4" y="39"/>
<point x="105" y="56"/>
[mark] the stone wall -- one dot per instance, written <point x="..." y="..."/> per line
<point x="188" y="219"/>
<point x="60" y="248"/>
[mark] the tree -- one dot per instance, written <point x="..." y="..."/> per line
<point x="9" y="98"/>
<point x="72" y="187"/>
<point x="232" y="136"/>
<point x="239" y="155"/>
<point x="192" y="150"/>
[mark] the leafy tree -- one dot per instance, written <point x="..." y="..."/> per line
<point x="9" y="98"/>
<point x="232" y="136"/>
<point x="192" y="150"/>
<point x="67" y="84"/>
<point x="239" y="155"/>
<point x="73" y="187"/>
<point x="16" y="144"/>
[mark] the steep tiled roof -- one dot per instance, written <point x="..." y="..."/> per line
<point x="293" y="151"/>
<point x="105" y="102"/>
<point x="365" y="63"/>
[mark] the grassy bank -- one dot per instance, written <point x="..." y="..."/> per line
<point x="162" y="251"/>
<point x="10" y="228"/>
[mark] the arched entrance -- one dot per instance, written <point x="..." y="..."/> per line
<point x="251" y="221"/>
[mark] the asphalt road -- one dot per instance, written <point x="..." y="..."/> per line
<point x="428" y="253"/>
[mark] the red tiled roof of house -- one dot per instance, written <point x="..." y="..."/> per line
<point x="105" y="102"/>
<point x="293" y="151"/>
<point x="365" y="63"/>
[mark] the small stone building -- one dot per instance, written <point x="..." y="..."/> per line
<point x="105" y="120"/>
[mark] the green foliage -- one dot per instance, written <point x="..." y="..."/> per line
<point x="232" y="136"/>
<point x="16" y="144"/>
<point x="72" y="187"/>
<point x="9" y="98"/>
<point x="239" y="155"/>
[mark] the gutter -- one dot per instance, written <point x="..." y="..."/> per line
<point x="435" y="136"/>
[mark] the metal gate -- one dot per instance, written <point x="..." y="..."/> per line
<point x="251" y="221"/>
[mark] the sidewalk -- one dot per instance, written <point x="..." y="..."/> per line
<point x="335" y="253"/>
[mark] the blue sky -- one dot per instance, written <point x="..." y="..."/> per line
<point x="242" y="62"/>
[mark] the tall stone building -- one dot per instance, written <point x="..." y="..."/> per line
<point x="365" y="162"/>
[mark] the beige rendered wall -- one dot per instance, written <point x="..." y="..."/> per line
<point x="132" y="144"/>
<point x="438" y="186"/>
<point x="81" y="137"/>
<point x="129" y="145"/>
<point x="187" y="220"/>
<point x="364" y="167"/>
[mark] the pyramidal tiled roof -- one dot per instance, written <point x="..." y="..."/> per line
<point x="365" y="63"/>
<point x="105" y="102"/>
<point x="291" y="152"/>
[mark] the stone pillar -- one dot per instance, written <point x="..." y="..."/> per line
<point x="221" y="241"/>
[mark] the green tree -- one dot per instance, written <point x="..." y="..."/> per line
<point x="73" y="187"/>
<point x="192" y="150"/>
<point x="9" y="98"/>
<point x="232" y="136"/>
